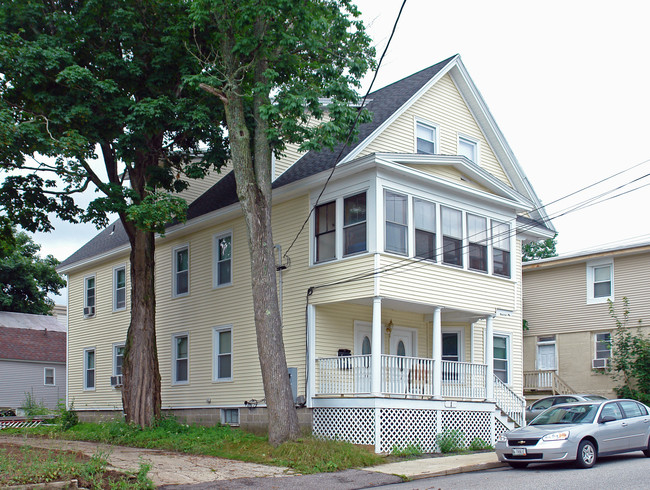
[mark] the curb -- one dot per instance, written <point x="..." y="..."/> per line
<point x="71" y="484"/>
<point x="459" y="469"/>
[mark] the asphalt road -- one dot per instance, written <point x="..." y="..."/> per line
<point x="629" y="471"/>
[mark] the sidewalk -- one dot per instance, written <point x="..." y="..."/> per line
<point x="180" y="471"/>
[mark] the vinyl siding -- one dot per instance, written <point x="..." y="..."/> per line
<point x="199" y="186"/>
<point x="450" y="174"/>
<point x="443" y="106"/>
<point x="17" y="378"/>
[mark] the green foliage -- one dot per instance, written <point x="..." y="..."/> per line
<point x="409" y="451"/>
<point x="451" y="440"/>
<point x="26" y="278"/>
<point x="479" y="444"/>
<point x="629" y="364"/>
<point x="66" y="417"/>
<point x="32" y="407"/>
<point x="543" y="249"/>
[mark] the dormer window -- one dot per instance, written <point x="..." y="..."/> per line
<point x="425" y="138"/>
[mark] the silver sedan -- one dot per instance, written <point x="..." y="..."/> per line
<point x="579" y="432"/>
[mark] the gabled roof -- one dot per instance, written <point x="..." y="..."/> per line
<point x="384" y="104"/>
<point x="25" y="337"/>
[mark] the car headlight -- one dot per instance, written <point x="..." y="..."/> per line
<point x="556" y="436"/>
<point x="502" y="438"/>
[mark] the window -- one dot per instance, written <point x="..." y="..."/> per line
<point x="599" y="282"/>
<point x="478" y="240"/>
<point x="425" y="139"/>
<point x="632" y="409"/>
<point x="180" y="368"/>
<point x="424" y="217"/>
<point x="89" y="296"/>
<point x="500" y="348"/>
<point x="118" y="359"/>
<point x="468" y="149"/>
<point x="89" y="369"/>
<point x="501" y="248"/>
<point x="223" y="260"/>
<point x="181" y="271"/>
<point x="48" y="376"/>
<point x="119" y="288"/>
<point x="325" y="232"/>
<point x="354" y="224"/>
<point x="222" y="341"/>
<point x="603" y="345"/>
<point x="230" y="416"/>
<point x="452" y="236"/>
<point x="396" y="206"/>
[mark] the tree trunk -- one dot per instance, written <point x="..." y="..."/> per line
<point x="141" y="376"/>
<point x="254" y="192"/>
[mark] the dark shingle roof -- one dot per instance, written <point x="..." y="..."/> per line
<point x="28" y="337"/>
<point x="382" y="104"/>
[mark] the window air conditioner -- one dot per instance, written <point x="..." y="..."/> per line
<point x="598" y="363"/>
<point x="116" y="381"/>
<point x="89" y="311"/>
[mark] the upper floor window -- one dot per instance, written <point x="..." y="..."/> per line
<point x="478" y="240"/>
<point x="501" y="248"/>
<point x="600" y="282"/>
<point x="468" y="148"/>
<point x="48" y="376"/>
<point x="89" y="296"/>
<point x="424" y="219"/>
<point x="89" y="369"/>
<point x="425" y="138"/>
<point x="325" y="235"/>
<point x="223" y="260"/>
<point x="222" y="369"/>
<point x="119" y="288"/>
<point x="181" y="271"/>
<point x="396" y="222"/>
<point x="452" y="236"/>
<point x="181" y="358"/>
<point x="354" y="224"/>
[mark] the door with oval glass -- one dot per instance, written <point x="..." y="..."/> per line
<point x="363" y="348"/>
<point x="402" y="345"/>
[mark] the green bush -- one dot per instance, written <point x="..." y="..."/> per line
<point x="32" y="407"/>
<point x="451" y="440"/>
<point x="410" y="451"/>
<point x="479" y="444"/>
<point x="66" y="418"/>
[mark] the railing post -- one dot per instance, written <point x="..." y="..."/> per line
<point x="489" y="358"/>
<point x="311" y="354"/>
<point x="375" y="354"/>
<point x="437" y="353"/>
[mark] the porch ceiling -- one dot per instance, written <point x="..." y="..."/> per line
<point x="449" y="315"/>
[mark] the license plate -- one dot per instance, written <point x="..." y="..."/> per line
<point x="519" y="451"/>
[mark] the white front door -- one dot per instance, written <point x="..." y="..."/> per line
<point x="362" y="347"/>
<point x="402" y="344"/>
<point x="546" y="357"/>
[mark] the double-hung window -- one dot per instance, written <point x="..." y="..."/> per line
<point x="424" y="218"/>
<point x="118" y="359"/>
<point x="222" y="342"/>
<point x="477" y="237"/>
<point x="89" y="369"/>
<point x="181" y="277"/>
<point x="468" y="149"/>
<point x="223" y="260"/>
<point x="452" y="236"/>
<point x="48" y="376"/>
<point x="600" y="285"/>
<point x="603" y="345"/>
<point x="396" y="222"/>
<point x="119" y="288"/>
<point x="181" y="357"/>
<point x="425" y="139"/>
<point x="325" y="235"/>
<point x="500" y="349"/>
<point x="354" y="224"/>
<point x="501" y="248"/>
<point x="89" y="296"/>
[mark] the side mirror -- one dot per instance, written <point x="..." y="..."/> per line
<point x="606" y="418"/>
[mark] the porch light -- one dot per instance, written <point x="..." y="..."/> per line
<point x="389" y="327"/>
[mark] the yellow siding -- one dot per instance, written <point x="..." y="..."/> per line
<point x="450" y="174"/>
<point x="444" y="106"/>
<point x="291" y="153"/>
<point x="199" y="186"/>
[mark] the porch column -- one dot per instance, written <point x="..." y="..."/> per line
<point x="489" y="358"/>
<point x="375" y="354"/>
<point x="437" y="353"/>
<point x="311" y="355"/>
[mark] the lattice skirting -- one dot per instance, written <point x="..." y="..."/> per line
<point x="401" y="428"/>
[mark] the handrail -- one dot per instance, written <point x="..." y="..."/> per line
<point x="509" y="402"/>
<point x="546" y="379"/>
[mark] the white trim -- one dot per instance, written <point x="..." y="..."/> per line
<point x="508" y="337"/>
<point x="595" y="344"/>
<point x="418" y="121"/>
<point x="92" y="276"/>
<point x="85" y="365"/>
<point x="542" y="343"/>
<point x="460" y="332"/>
<point x="222" y="413"/>
<point x="174" y="359"/>
<point x="45" y="383"/>
<point x="175" y="250"/>
<point x="215" y="258"/>
<point x="115" y="269"/>
<point x="472" y="141"/>
<point x="590" y="266"/>
<point x="215" y="352"/>
<point x="114" y="354"/>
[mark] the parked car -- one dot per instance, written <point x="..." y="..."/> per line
<point x="579" y="432"/>
<point x="542" y="404"/>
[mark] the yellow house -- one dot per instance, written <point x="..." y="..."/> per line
<point x="400" y="298"/>
<point x="568" y="344"/>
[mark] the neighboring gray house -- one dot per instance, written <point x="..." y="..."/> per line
<point x="32" y="359"/>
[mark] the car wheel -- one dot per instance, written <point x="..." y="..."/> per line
<point x="647" y="451"/>
<point x="517" y="464"/>
<point x="586" y="455"/>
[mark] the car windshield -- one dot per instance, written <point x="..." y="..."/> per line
<point x="593" y="398"/>
<point x="568" y="414"/>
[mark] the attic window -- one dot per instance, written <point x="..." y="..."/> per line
<point x="468" y="149"/>
<point x="425" y="138"/>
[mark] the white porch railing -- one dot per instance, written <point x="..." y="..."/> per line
<point x="509" y="402"/>
<point x="347" y="375"/>
<point x="463" y="380"/>
<point x="406" y="375"/>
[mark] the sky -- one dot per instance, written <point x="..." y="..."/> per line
<point x="566" y="81"/>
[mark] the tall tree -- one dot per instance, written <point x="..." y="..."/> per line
<point x="80" y="78"/>
<point x="26" y="278"/>
<point x="270" y="63"/>
<point x="543" y="249"/>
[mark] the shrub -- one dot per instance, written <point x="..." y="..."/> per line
<point x="479" y="444"/>
<point x="32" y="407"/>
<point x="451" y="440"/>
<point x="409" y="451"/>
<point x="66" y="418"/>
